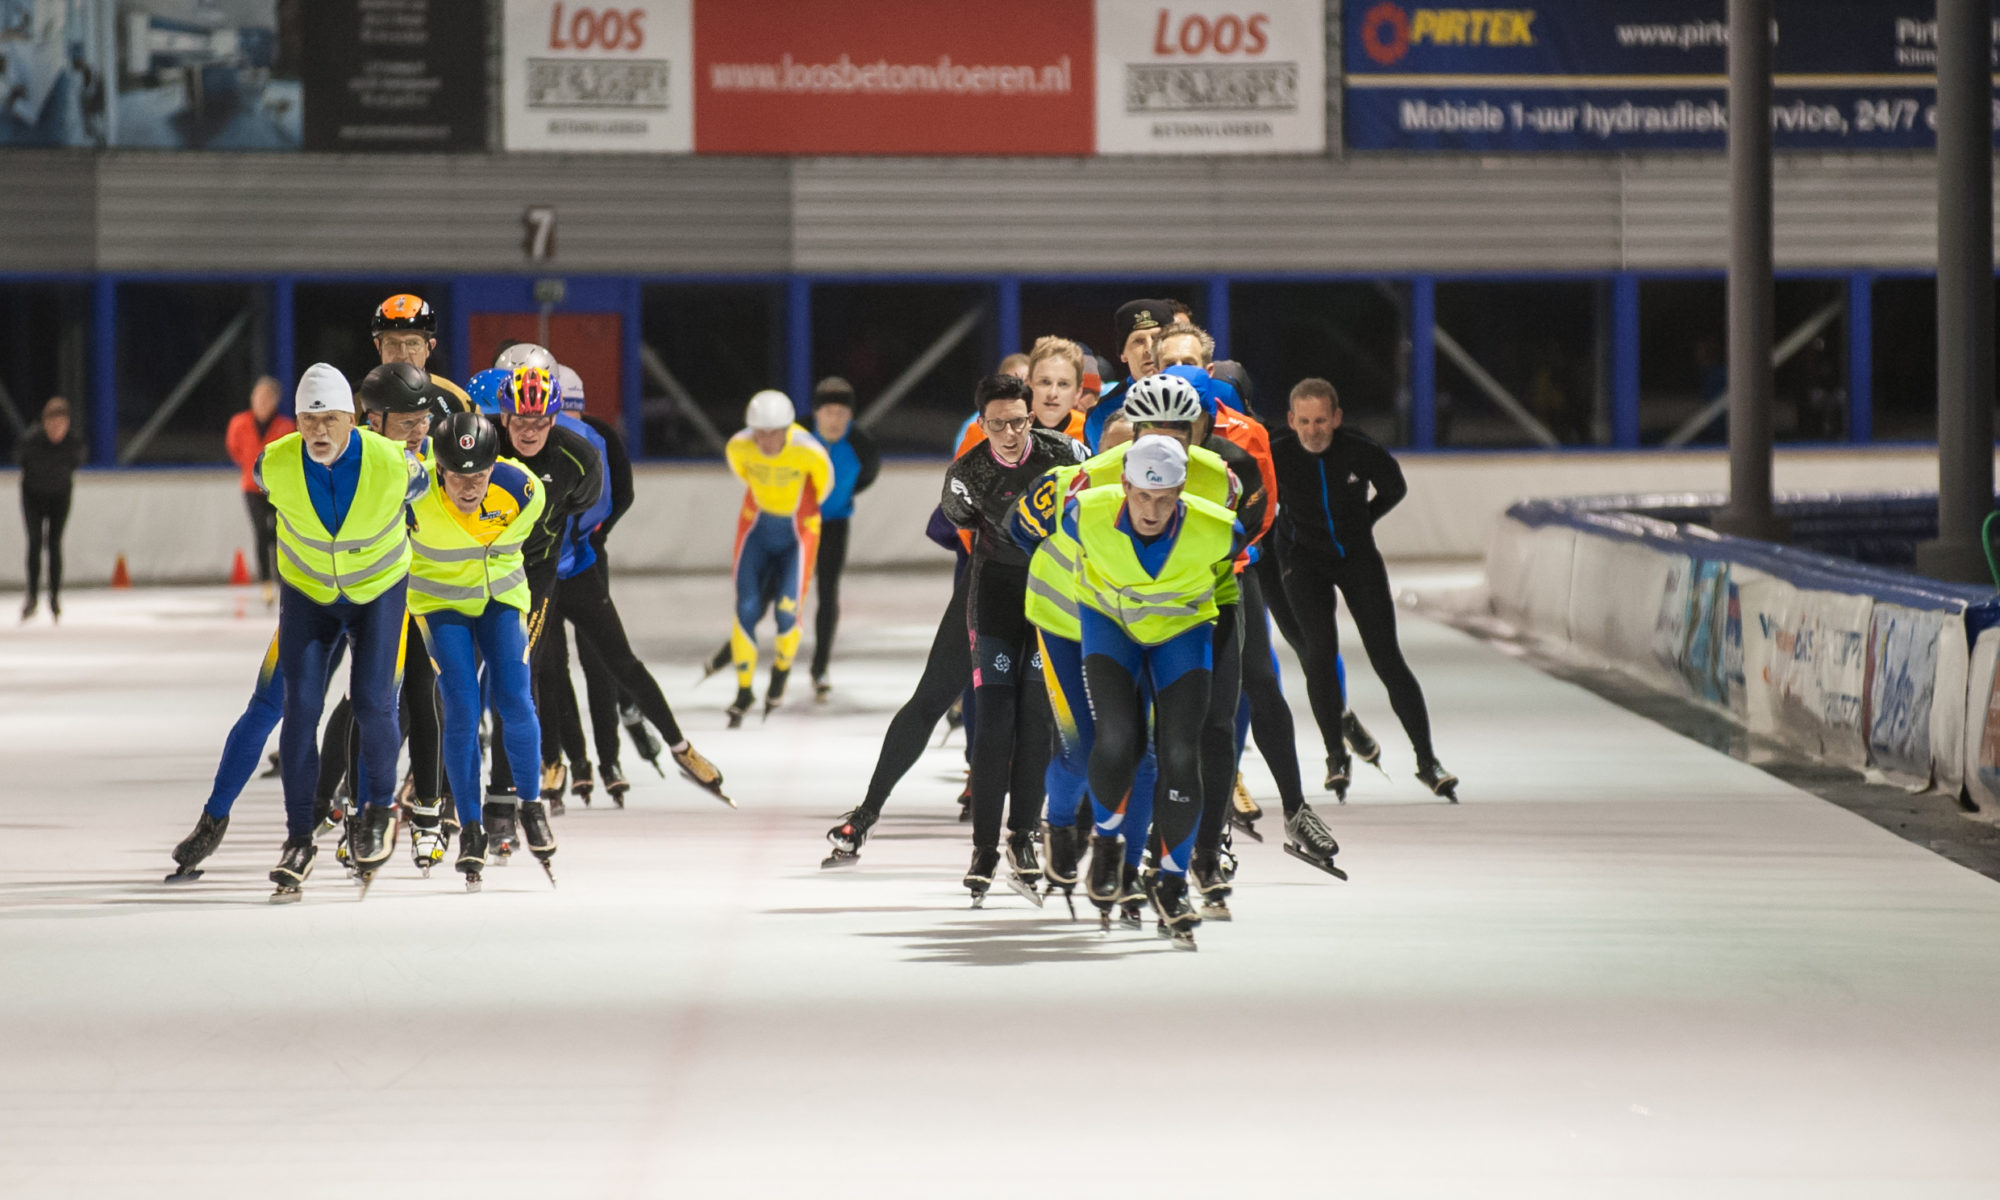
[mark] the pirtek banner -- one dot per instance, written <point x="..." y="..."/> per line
<point x="893" y="77"/>
<point x="1635" y="75"/>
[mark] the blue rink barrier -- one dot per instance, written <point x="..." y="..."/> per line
<point x="1852" y="662"/>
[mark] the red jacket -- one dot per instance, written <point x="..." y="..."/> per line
<point x="245" y="444"/>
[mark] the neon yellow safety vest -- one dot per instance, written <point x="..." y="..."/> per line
<point x="1151" y="608"/>
<point x="370" y="552"/>
<point x="455" y="570"/>
<point x="1052" y="584"/>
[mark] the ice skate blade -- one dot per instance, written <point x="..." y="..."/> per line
<point x="978" y="899"/>
<point x="287" y="896"/>
<point x="185" y="875"/>
<point x="1249" y="830"/>
<point x="1216" y="912"/>
<point x="472" y="883"/>
<point x="550" y="871"/>
<point x="1309" y="860"/>
<point x="839" y="860"/>
<point x="657" y="768"/>
<point x="1182" y="941"/>
<point x="1024" y="889"/>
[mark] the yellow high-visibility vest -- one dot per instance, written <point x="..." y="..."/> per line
<point x="370" y="551"/>
<point x="1151" y="608"/>
<point x="452" y="567"/>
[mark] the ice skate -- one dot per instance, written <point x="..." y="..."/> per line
<point x="847" y="838"/>
<point x="954" y="718"/>
<point x="197" y="846"/>
<point x="1244" y="811"/>
<point x="371" y="837"/>
<point x="1206" y="875"/>
<point x="426" y="835"/>
<point x="1059" y="853"/>
<point x="979" y="876"/>
<point x="294" y="864"/>
<point x="1339" y="773"/>
<point x="472" y="854"/>
<point x="1132" y="890"/>
<point x="1360" y="742"/>
<point x="775" y="694"/>
<point x="715" y="664"/>
<point x="447" y="818"/>
<point x="1107" y="862"/>
<point x="1177" y="918"/>
<point x="965" y="804"/>
<point x="502" y="833"/>
<point x="272" y="770"/>
<point x="1309" y="840"/>
<point x="644" y="740"/>
<point x="615" y="783"/>
<point x="582" y="784"/>
<point x="744" y="702"/>
<point x="701" y="772"/>
<point x="1440" y="781"/>
<point x="1024" y="873"/>
<point x="541" y="839"/>
<point x="555" y="779"/>
<point x="822" y="689"/>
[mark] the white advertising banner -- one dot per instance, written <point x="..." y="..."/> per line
<point x="1211" y="77"/>
<point x="586" y="77"/>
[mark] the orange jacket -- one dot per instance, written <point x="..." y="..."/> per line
<point x="244" y="444"/>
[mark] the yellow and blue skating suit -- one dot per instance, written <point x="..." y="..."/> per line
<point x="777" y="539"/>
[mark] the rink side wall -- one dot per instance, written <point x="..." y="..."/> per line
<point x="186" y="525"/>
<point x="1860" y="666"/>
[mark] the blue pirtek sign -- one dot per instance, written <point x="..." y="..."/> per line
<point x="1632" y="75"/>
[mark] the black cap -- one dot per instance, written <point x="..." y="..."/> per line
<point x="396" y="388"/>
<point x="1135" y="315"/>
<point x="833" y="390"/>
<point x="1231" y="372"/>
<point x="466" y="443"/>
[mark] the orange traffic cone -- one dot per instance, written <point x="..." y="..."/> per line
<point x="120" y="577"/>
<point x="239" y="574"/>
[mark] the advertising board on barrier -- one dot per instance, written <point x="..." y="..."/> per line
<point x="1902" y="671"/>
<point x="1805" y="667"/>
<point x="1212" y="77"/>
<point x="893" y="77"/>
<point x="1585" y="75"/>
<point x="402" y="75"/>
<point x="598" y="77"/>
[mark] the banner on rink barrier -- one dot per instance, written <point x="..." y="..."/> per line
<point x="614" y="77"/>
<point x="1902" y="671"/>
<point x="893" y="77"/>
<point x="1583" y="75"/>
<point x="395" y="75"/>
<point x="1213" y="77"/>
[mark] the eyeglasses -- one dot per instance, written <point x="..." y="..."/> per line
<point x="408" y="343"/>
<point x="994" y="425"/>
<point x="518" y="421"/>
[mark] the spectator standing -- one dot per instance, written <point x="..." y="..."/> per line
<point x="49" y="456"/>
<point x="249" y="432"/>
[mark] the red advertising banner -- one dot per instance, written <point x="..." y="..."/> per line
<point x="894" y="77"/>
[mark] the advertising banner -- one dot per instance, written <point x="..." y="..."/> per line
<point x="1902" y="676"/>
<point x="894" y="77"/>
<point x="611" y="77"/>
<point x="1214" y="77"/>
<point x="1583" y="75"/>
<point x="395" y="75"/>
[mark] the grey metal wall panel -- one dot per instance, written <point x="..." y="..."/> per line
<point x="336" y="212"/>
<point x="48" y="209"/>
<point x="1831" y="212"/>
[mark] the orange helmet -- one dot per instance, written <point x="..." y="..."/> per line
<point x="404" y="312"/>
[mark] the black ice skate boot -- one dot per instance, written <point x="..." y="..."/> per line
<point x="1024" y="871"/>
<point x="847" y="838"/>
<point x="540" y="837"/>
<point x="294" y="864"/>
<point x="1339" y="773"/>
<point x="582" y="784"/>
<point x="1059" y="856"/>
<point x="503" y="835"/>
<point x="1206" y="875"/>
<point x="979" y="876"/>
<point x="197" y="846"/>
<point x="1107" y="864"/>
<point x="744" y="702"/>
<point x="1360" y="742"/>
<point x="1440" y="781"/>
<point x="371" y="838"/>
<point x="1309" y="840"/>
<point x="643" y="738"/>
<point x="615" y="783"/>
<point x="472" y="854"/>
<point x="1177" y="918"/>
<point x="775" y="694"/>
<point x="1133" y="886"/>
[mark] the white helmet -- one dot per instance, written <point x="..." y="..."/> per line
<point x="526" y="354"/>
<point x="770" y="409"/>
<point x="572" y="388"/>
<point x="1161" y="398"/>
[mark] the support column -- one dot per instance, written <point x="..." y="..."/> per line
<point x="1748" y="513"/>
<point x="1423" y="363"/>
<point x="104" y="372"/>
<point x="1861" y="358"/>
<point x="1007" y="317"/>
<point x="284" y="332"/>
<point x="1964" y="291"/>
<point x="798" y="342"/>
<point x="1216" y="319"/>
<point x="1625" y="361"/>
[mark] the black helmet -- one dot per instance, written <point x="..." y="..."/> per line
<point x="466" y="443"/>
<point x="403" y="311"/>
<point x="396" y="388"/>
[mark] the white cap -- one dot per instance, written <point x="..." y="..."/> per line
<point x="770" y="409"/>
<point x="323" y="389"/>
<point x="1156" y="462"/>
<point x="572" y="385"/>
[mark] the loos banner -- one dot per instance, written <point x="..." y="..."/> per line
<point x="893" y="77"/>
<point x="1211" y="78"/>
<point x="1644" y="75"/>
<point x="614" y="77"/>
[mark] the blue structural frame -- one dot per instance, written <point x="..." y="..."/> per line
<point x="469" y="294"/>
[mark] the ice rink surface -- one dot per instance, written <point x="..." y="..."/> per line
<point x="1625" y="966"/>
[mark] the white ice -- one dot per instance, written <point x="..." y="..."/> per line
<point x="1625" y="966"/>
